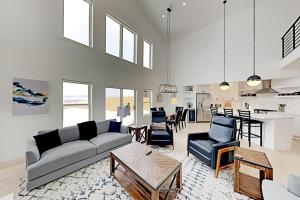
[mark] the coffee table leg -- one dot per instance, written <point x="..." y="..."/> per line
<point x="236" y="175"/>
<point x="269" y="174"/>
<point x="179" y="179"/>
<point x="112" y="165"/>
<point x="155" y="195"/>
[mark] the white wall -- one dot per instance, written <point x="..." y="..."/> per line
<point x="197" y="57"/>
<point x="32" y="47"/>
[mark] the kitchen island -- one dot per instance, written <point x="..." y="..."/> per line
<point x="277" y="129"/>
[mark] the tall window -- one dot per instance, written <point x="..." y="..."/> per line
<point x="121" y="41"/>
<point x="147" y="55"/>
<point x="113" y="30"/>
<point x="78" y="21"/>
<point x="76" y="103"/>
<point x="147" y="102"/>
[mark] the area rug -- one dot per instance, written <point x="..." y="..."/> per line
<point x="95" y="182"/>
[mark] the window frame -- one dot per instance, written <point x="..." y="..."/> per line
<point x="90" y="96"/>
<point x="121" y="99"/>
<point x="150" y="101"/>
<point x="122" y="25"/>
<point x="91" y="25"/>
<point x="151" y="53"/>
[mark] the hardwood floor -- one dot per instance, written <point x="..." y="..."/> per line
<point x="283" y="162"/>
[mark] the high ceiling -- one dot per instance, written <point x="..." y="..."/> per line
<point x="195" y="14"/>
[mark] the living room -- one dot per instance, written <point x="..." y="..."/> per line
<point x="65" y="62"/>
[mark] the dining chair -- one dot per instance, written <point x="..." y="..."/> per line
<point x="183" y="118"/>
<point x="176" y="121"/>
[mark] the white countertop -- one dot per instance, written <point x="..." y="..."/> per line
<point x="271" y="116"/>
<point x="268" y="116"/>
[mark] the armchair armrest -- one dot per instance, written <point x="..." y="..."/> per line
<point x="226" y="144"/>
<point x="169" y="130"/>
<point x="216" y="147"/>
<point x="124" y="129"/>
<point x="32" y="153"/>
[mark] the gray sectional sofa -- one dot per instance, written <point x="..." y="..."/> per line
<point x="74" y="154"/>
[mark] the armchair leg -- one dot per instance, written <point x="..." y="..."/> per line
<point x="220" y="153"/>
<point x="188" y="152"/>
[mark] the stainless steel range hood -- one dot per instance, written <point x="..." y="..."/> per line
<point x="266" y="88"/>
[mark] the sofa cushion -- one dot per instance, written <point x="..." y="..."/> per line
<point x="47" y="141"/>
<point x="160" y="135"/>
<point x="69" y="134"/>
<point x="103" y="126"/>
<point x="61" y="157"/>
<point x="87" y="130"/>
<point x="203" y="146"/>
<point x="107" y="141"/>
<point x="115" y="127"/>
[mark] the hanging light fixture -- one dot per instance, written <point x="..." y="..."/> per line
<point x="254" y="80"/>
<point x="167" y="87"/>
<point x="224" y="85"/>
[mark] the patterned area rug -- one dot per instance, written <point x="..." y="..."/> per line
<point x="95" y="182"/>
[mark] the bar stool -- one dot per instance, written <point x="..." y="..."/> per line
<point x="245" y="117"/>
<point x="228" y="112"/>
<point x="214" y="112"/>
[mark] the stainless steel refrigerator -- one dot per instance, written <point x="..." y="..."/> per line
<point x="203" y="102"/>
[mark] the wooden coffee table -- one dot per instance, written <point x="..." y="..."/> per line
<point x="244" y="183"/>
<point x="154" y="176"/>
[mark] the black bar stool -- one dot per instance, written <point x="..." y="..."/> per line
<point x="245" y="117"/>
<point x="228" y="112"/>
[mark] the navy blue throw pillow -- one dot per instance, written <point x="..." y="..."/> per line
<point x="47" y="141"/>
<point x="87" y="130"/>
<point x="115" y="127"/>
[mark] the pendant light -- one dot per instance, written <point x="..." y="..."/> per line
<point x="224" y="85"/>
<point x="254" y="80"/>
<point x="167" y="87"/>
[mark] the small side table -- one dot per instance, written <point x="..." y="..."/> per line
<point x="244" y="183"/>
<point x="139" y="131"/>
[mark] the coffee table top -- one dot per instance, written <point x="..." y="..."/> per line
<point x="252" y="157"/>
<point x="154" y="168"/>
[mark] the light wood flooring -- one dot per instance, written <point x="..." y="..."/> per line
<point x="283" y="162"/>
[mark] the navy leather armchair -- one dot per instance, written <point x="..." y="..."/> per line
<point x="158" y="136"/>
<point x="205" y="146"/>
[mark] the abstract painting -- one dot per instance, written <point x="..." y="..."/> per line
<point x="30" y="97"/>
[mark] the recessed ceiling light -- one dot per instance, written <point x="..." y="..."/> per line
<point x="163" y="16"/>
<point x="184" y="3"/>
